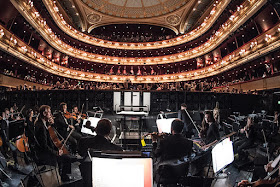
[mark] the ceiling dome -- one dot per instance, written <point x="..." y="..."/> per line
<point x="135" y="8"/>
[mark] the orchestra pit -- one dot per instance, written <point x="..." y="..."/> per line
<point x="139" y="93"/>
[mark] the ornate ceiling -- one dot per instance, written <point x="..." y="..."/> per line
<point x="173" y="14"/>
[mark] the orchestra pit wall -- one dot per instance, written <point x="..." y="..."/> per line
<point x="160" y="100"/>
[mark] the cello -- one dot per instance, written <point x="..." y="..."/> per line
<point x="22" y="144"/>
<point x="57" y="142"/>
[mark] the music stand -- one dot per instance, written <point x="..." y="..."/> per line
<point x="132" y="113"/>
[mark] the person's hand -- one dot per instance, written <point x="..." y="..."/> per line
<point x="154" y="138"/>
<point x="268" y="167"/>
<point x="71" y="126"/>
<point x="243" y="183"/>
<point x="60" y="152"/>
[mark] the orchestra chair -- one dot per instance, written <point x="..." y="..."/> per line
<point x="48" y="176"/>
<point x="171" y="173"/>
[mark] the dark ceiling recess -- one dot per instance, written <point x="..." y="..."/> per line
<point x="133" y="33"/>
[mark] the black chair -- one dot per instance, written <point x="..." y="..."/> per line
<point x="171" y="173"/>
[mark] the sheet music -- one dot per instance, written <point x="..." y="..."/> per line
<point x="118" y="172"/>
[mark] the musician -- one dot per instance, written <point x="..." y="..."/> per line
<point x="249" y="138"/>
<point x="100" y="141"/>
<point x="174" y="146"/>
<point x="188" y="126"/>
<point x="63" y="127"/>
<point x="216" y="114"/>
<point x="45" y="150"/>
<point x="276" y="118"/>
<point x="263" y="182"/>
<point x="209" y="131"/>
<point x="30" y="128"/>
<point x="7" y="114"/>
<point x="78" y="121"/>
<point x="12" y="117"/>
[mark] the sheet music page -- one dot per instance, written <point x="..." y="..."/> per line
<point x="117" y="173"/>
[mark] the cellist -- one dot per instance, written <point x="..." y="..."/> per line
<point x="46" y="151"/>
<point x="63" y="127"/>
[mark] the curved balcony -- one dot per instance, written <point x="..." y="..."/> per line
<point x="230" y="26"/>
<point x="268" y="41"/>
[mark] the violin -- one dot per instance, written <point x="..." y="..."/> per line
<point x="78" y="116"/>
<point x="68" y="115"/>
<point x="261" y="182"/>
<point x="157" y="134"/>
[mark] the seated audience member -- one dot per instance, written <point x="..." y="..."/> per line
<point x="100" y="141"/>
<point x="248" y="140"/>
<point x="209" y="131"/>
<point x="174" y="146"/>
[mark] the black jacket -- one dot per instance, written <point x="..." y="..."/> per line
<point x="45" y="149"/>
<point x="188" y="126"/>
<point x="172" y="147"/>
<point x="212" y="133"/>
<point x="97" y="143"/>
<point x="60" y="124"/>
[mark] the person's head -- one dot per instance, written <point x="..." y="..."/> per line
<point x="217" y="104"/>
<point x="12" y="110"/>
<point x="63" y="107"/>
<point x="29" y="113"/>
<point x="45" y="112"/>
<point x="103" y="127"/>
<point x="75" y="109"/>
<point x="250" y="121"/>
<point x="208" y="117"/>
<point x="7" y="111"/>
<point x="183" y="106"/>
<point x="88" y="123"/>
<point x="177" y="126"/>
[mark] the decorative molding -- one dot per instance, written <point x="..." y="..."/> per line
<point x="267" y="42"/>
<point x="237" y="19"/>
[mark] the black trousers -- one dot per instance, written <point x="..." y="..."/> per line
<point x="239" y="145"/>
<point x="74" y="140"/>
